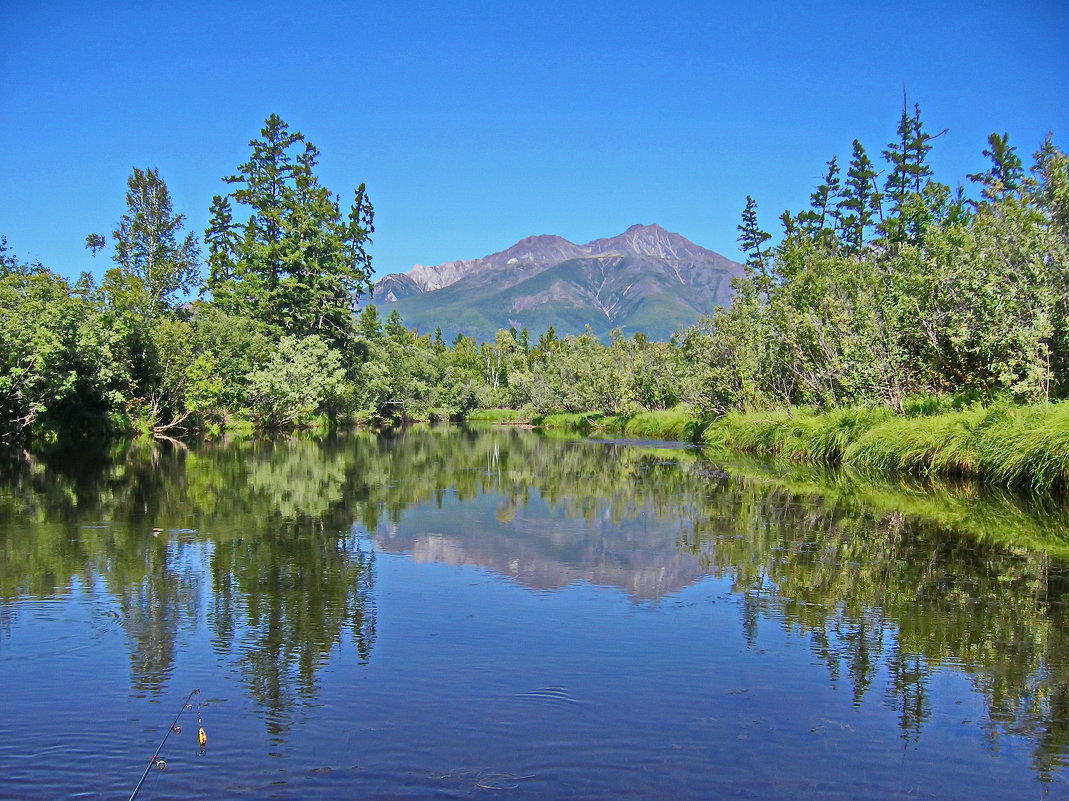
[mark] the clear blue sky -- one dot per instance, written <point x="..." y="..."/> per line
<point x="475" y="124"/>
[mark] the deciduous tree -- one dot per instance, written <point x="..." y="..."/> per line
<point x="147" y="243"/>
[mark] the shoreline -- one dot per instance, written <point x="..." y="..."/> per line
<point x="1019" y="447"/>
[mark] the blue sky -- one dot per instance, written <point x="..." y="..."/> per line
<point x="475" y="124"/>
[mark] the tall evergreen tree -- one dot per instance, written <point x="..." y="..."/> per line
<point x="823" y="203"/>
<point x="751" y="239"/>
<point x="909" y="175"/>
<point x="295" y="262"/>
<point x="860" y="205"/>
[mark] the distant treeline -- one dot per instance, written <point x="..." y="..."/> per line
<point x="891" y="285"/>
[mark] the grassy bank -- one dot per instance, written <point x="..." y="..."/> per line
<point x="498" y="416"/>
<point x="680" y="424"/>
<point x="1012" y="446"/>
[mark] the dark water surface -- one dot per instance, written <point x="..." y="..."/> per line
<point x="451" y="613"/>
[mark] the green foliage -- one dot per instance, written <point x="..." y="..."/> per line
<point x="296" y="262"/>
<point x="300" y="379"/>
<point x="497" y="416"/>
<point x="60" y="369"/>
<point x="680" y="424"/>
<point x="913" y="300"/>
<point x="147" y="244"/>
<point x="859" y="205"/>
<point x="1006" y="174"/>
<point x="862" y="304"/>
<point x="1012" y="446"/>
<point x="798" y="433"/>
<point x="751" y="238"/>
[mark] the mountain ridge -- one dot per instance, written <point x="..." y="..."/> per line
<point x="546" y="280"/>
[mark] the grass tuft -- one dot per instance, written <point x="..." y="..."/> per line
<point x="497" y="416"/>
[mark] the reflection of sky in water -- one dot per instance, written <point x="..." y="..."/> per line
<point x="614" y="627"/>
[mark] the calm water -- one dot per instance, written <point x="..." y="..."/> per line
<point x="485" y="614"/>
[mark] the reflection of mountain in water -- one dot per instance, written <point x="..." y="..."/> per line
<point x="543" y="548"/>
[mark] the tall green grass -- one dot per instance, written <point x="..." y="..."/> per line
<point x="797" y="433"/>
<point x="680" y="423"/>
<point x="581" y="422"/>
<point x="1024" y="446"/>
<point x="498" y="416"/>
<point x="1013" y="446"/>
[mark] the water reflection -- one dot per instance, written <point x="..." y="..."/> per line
<point x="257" y="532"/>
<point x="889" y="582"/>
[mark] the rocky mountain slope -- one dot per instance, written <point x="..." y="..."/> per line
<point x="646" y="279"/>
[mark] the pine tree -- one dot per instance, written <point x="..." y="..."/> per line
<point x="751" y="238"/>
<point x="909" y="175"/>
<point x="823" y="202"/>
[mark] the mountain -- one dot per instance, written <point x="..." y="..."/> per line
<point x="646" y="279"/>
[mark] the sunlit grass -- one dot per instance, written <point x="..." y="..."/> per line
<point x="680" y="423"/>
<point x="582" y="422"/>
<point x="1025" y="446"/>
<point x="1016" y="446"/>
<point x="498" y="416"/>
<point x="798" y="433"/>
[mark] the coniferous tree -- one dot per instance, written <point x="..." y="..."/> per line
<point x="295" y="262"/>
<point x="8" y="262"/>
<point x="860" y="205"/>
<point x="1006" y="174"/>
<point x="222" y="241"/>
<point x="909" y="175"/>
<point x="823" y="203"/>
<point x="751" y="238"/>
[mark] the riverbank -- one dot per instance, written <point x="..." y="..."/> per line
<point x="1024" y="447"/>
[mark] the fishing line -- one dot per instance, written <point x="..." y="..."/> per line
<point x="155" y="761"/>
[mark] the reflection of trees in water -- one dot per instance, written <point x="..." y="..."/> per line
<point x="879" y="575"/>
<point x="266" y="517"/>
<point x="301" y="591"/>
<point x="874" y="589"/>
<point x="155" y="606"/>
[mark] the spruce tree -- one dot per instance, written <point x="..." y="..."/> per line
<point x="295" y="261"/>
<point x="823" y="202"/>
<point x="860" y="204"/>
<point x="751" y="238"/>
<point x="1006" y="174"/>
<point x="910" y="174"/>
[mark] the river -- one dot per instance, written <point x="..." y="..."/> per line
<point x="484" y="613"/>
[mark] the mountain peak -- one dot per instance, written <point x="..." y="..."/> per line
<point x="650" y="240"/>
<point x="540" y="248"/>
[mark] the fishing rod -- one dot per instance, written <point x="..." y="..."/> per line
<point x="155" y="761"/>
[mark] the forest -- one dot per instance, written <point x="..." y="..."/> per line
<point x="892" y="296"/>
